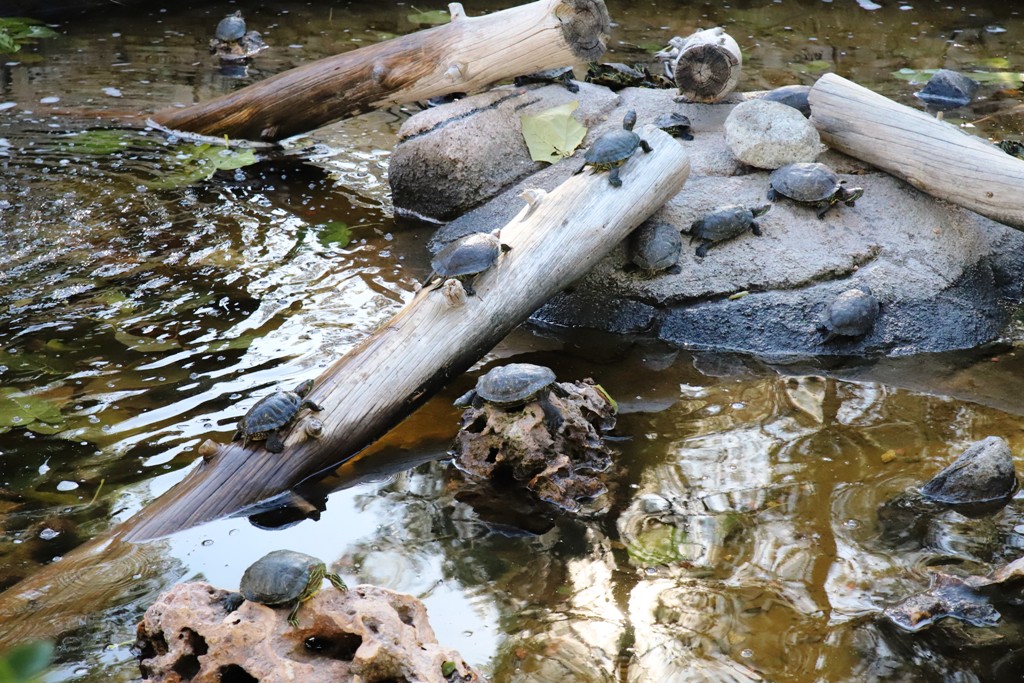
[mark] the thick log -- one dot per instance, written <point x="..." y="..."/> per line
<point x="554" y="241"/>
<point x="708" y="66"/>
<point x="933" y="156"/>
<point x="464" y="55"/>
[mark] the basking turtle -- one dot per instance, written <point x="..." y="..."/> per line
<point x="612" y="149"/>
<point x="466" y="258"/>
<point x="615" y="75"/>
<point x="792" y="96"/>
<point x="562" y="75"/>
<point x="811" y="183"/>
<point x="513" y="386"/>
<point x="675" y="124"/>
<point x="272" y="415"/>
<point x="655" y="246"/>
<point x="725" y="223"/>
<point x="851" y="314"/>
<point x="286" y="577"/>
<point x="231" y="27"/>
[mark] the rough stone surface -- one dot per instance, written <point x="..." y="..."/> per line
<point x="946" y="277"/>
<point x="769" y="135"/>
<point x="365" y="634"/>
<point x="983" y="473"/>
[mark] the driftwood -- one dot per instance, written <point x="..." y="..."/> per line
<point x="931" y="155"/>
<point x="708" y="66"/>
<point x="464" y="55"/>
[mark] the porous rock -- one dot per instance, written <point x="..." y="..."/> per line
<point x="364" y="634"/>
<point x="769" y="135"/>
<point x="562" y="468"/>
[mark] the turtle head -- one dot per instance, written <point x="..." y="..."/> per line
<point x="760" y="210"/>
<point x="304" y="388"/>
<point x="629" y="120"/>
<point x="849" y="195"/>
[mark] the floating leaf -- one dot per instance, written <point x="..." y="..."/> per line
<point x="1001" y="63"/>
<point x="145" y="344"/>
<point x="553" y="134"/>
<point x="817" y="65"/>
<point x="16" y="31"/>
<point x="21" y="410"/>
<point x="101" y="141"/>
<point x="434" y="17"/>
<point x="8" y="44"/>
<point x="25" y="662"/>
<point x="333" y="232"/>
<point x="199" y="163"/>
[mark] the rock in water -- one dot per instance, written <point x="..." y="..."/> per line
<point x="948" y="89"/>
<point x="984" y="473"/>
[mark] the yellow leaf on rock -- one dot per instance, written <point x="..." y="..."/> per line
<point x="553" y="134"/>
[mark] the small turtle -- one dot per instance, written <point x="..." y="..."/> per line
<point x="851" y="314"/>
<point x="615" y="75"/>
<point x="231" y="27"/>
<point x="792" y="96"/>
<point x="466" y="258"/>
<point x="563" y="76"/>
<point x="655" y="246"/>
<point x="286" y="577"/>
<point x="612" y="149"/>
<point x="811" y="183"/>
<point x="675" y="124"/>
<point x="272" y="415"/>
<point x="725" y="223"/>
<point x="513" y="386"/>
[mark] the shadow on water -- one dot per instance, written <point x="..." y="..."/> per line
<point x="152" y="289"/>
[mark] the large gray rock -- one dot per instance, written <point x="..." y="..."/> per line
<point x="981" y="474"/>
<point x="771" y="134"/>
<point x="942" y="274"/>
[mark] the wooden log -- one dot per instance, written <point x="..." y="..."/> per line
<point x="708" y="66"/>
<point x="554" y="241"/>
<point x="464" y="55"/>
<point x="933" y="156"/>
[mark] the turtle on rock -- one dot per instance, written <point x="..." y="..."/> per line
<point x="270" y="417"/>
<point x="724" y="223"/>
<point x="465" y="258"/>
<point x="513" y="386"/>
<point x="286" y="577"/>
<point x="851" y="314"/>
<point x="675" y="124"/>
<point x="612" y="149"/>
<point x="655" y="247"/>
<point x="231" y="27"/>
<point x="811" y="183"/>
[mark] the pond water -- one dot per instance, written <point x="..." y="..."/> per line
<point x="152" y="289"/>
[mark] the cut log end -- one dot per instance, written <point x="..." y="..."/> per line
<point x="706" y="73"/>
<point x="585" y="27"/>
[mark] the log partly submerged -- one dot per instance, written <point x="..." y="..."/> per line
<point x="464" y="55"/>
<point x="933" y="156"/>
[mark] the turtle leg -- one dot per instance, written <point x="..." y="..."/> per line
<point x="275" y="443"/>
<point x="468" y="286"/>
<point x="702" y="248"/>
<point x="336" y="581"/>
<point x="311" y="405"/>
<point x="674" y="269"/>
<point x="293" y="616"/>
<point x="552" y="416"/>
<point x="823" y="210"/>
<point x="755" y="228"/>
<point x="772" y="194"/>
<point x="646" y="146"/>
<point x="613" y="177"/>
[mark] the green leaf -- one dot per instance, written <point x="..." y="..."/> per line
<point x="145" y="344"/>
<point x="432" y="18"/>
<point x="817" y="65"/>
<point x="7" y="43"/>
<point x="333" y="232"/>
<point x="553" y="134"/>
<point x="447" y="668"/>
<point x="100" y="141"/>
<point x="1001" y="63"/>
<point x="24" y="662"/>
<point x="200" y="162"/>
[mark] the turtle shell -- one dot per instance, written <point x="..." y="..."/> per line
<point x="792" y="96"/>
<point x="513" y="384"/>
<point x="852" y="313"/>
<point x="231" y="27"/>
<point x="467" y="255"/>
<point x="723" y="223"/>
<point x="656" y="246"/>
<point x="612" y="148"/>
<point x="805" y="182"/>
<point x="272" y="412"/>
<point x="280" y="577"/>
<point x="675" y="124"/>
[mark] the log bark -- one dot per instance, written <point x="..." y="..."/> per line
<point x="933" y="156"/>
<point x="554" y="241"/>
<point x="464" y="55"/>
<point x="708" y="66"/>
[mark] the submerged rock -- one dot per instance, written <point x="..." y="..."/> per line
<point x="948" y="89"/>
<point x="948" y="596"/>
<point x="983" y="474"/>
<point x="367" y="633"/>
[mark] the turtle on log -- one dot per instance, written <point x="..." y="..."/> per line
<point x="612" y="149"/>
<point x="273" y="414"/>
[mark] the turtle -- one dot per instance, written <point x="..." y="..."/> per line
<point x="792" y="96"/>
<point x="655" y="246"/>
<point x="851" y="314"/>
<point x="675" y="124"/>
<point x="515" y="385"/>
<point x="562" y="75"/>
<point x="231" y="27"/>
<point x="467" y="257"/>
<point x="811" y="183"/>
<point x="724" y="223"/>
<point x="612" y="149"/>
<point x="615" y="75"/>
<point x="272" y="415"/>
<point x="286" y="577"/>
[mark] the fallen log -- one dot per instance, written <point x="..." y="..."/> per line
<point x="708" y="66"/>
<point x="464" y="55"/>
<point x="554" y="241"/>
<point x="933" y="156"/>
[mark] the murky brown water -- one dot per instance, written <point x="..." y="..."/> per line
<point x="146" y="301"/>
